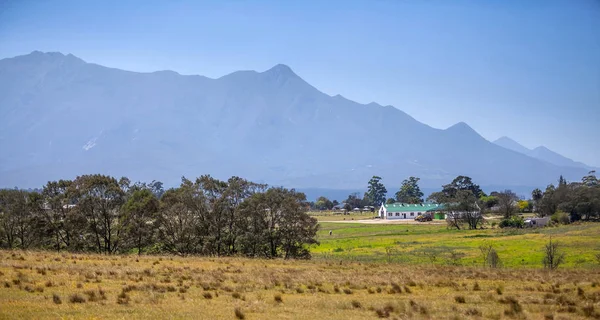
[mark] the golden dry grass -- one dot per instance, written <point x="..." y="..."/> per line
<point x="43" y="285"/>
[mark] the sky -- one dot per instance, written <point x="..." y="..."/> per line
<point x="529" y="70"/>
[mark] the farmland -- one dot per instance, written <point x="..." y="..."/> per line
<point x="44" y="285"/>
<point x="360" y="271"/>
<point x="432" y="243"/>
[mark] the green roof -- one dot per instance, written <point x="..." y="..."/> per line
<point x="406" y="207"/>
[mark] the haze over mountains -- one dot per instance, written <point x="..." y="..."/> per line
<point x="541" y="153"/>
<point x="61" y="117"/>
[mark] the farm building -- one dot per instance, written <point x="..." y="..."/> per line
<point x="537" y="222"/>
<point x="410" y="211"/>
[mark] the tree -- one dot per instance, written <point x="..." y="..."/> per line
<point x="19" y="217"/>
<point x="507" y="203"/>
<point x="323" y="203"/>
<point x="141" y="211"/>
<point x="562" y="181"/>
<point x="463" y="208"/>
<point x="390" y="201"/>
<point x="376" y="192"/>
<point x="99" y="199"/>
<point x="353" y="201"/>
<point x="277" y="225"/>
<point x="410" y="192"/>
<point x="462" y="183"/>
<point x="553" y="255"/>
<point x="488" y="202"/>
<point x="181" y="220"/>
<point x="536" y="196"/>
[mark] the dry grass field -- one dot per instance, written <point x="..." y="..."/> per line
<point x="44" y="285"/>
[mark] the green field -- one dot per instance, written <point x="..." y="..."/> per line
<point x="436" y="244"/>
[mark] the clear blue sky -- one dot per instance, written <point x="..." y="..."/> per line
<point x="529" y="70"/>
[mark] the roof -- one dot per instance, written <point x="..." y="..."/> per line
<point x="406" y="207"/>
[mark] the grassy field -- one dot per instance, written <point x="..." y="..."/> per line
<point x="43" y="285"/>
<point x="436" y="244"/>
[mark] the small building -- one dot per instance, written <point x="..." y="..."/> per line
<point x="537" y="222"/>
<point x="394" y="211"/>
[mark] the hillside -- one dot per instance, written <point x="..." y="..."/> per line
<point x="61" y="116"/>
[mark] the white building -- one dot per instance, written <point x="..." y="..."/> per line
<point x="407" y="211"/>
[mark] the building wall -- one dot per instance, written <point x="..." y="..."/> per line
<point x="403" y="215"/>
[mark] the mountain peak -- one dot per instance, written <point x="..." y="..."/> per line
<point x="51" y="56"/>
<point x="460" y="126"/>
<point x="511" y="144"/>
<point x="281" y="71"/>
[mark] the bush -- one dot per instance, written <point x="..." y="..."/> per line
<point x="560" y="217"/>
<point x="513" y="222"/>
<point x="76" y="298"/>
<point x="239" y="314"/>
<point x="56" y="298"/>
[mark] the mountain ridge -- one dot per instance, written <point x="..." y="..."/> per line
<point x="542" y="153"/>
<point x="58" y="120"/>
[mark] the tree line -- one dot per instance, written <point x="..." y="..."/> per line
<point x="565" y="203"/>
<point x="207" y="216"/>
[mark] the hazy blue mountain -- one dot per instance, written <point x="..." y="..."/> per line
<point x="511" y="144"/>
<point x="541" y="153"/>
<point x="61" y="116"/>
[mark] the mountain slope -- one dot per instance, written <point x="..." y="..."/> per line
<point x="541" y="153"/>
<point x="61" y="116"/>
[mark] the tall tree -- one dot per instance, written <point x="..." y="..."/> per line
<point x="376" y="192"/>
<point x="100" y="199"/>
<point x="507" y="201"/>
<point x="410" y="192"/>
<point x="141" y="212"/>
<point x="536" y="196"/>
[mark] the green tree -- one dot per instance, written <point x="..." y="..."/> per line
<point x="410" y="192"/>
<point x="462" y="183"/>
<point x="376" y="192"/>
<point x="323" y="203"/>
<point x="141" y="211"/>
<point x="536" y="196"/>
<point x="99" y="199"/>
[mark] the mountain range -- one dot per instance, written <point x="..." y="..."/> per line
<point x="541" y="153"/>
<point x="61" y="116"/>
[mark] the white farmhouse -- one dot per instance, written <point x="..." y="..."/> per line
<point x="408" y="211"/>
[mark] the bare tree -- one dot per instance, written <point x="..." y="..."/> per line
<point x="507" y="203"/>
<point x="485" y="249"/>
<point x="553" y="255"/>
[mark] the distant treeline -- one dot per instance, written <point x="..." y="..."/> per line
<point x="98" y="213"/>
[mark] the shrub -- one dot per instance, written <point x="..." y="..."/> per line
<point x="123" y="298"/>
<point x="476" y="287"/>
<point x="278" y="298"/>
<point x="356" y="304"/>
<point x="56" y="298"/>
<point x="347" y="291"/>
<point x="512" y="222"/>
<point x="553" y="255"/>
<point x="460" y="299"/>
<point x="239" y="314"/>
<point x="76" y="298"/>
<point x="473" y="312"/>
<point x="560" y="217"/>
<point x="207" y="295"/>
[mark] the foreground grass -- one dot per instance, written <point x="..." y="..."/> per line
<point x="42" y="285"/>
<point x="435" y="244"/>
